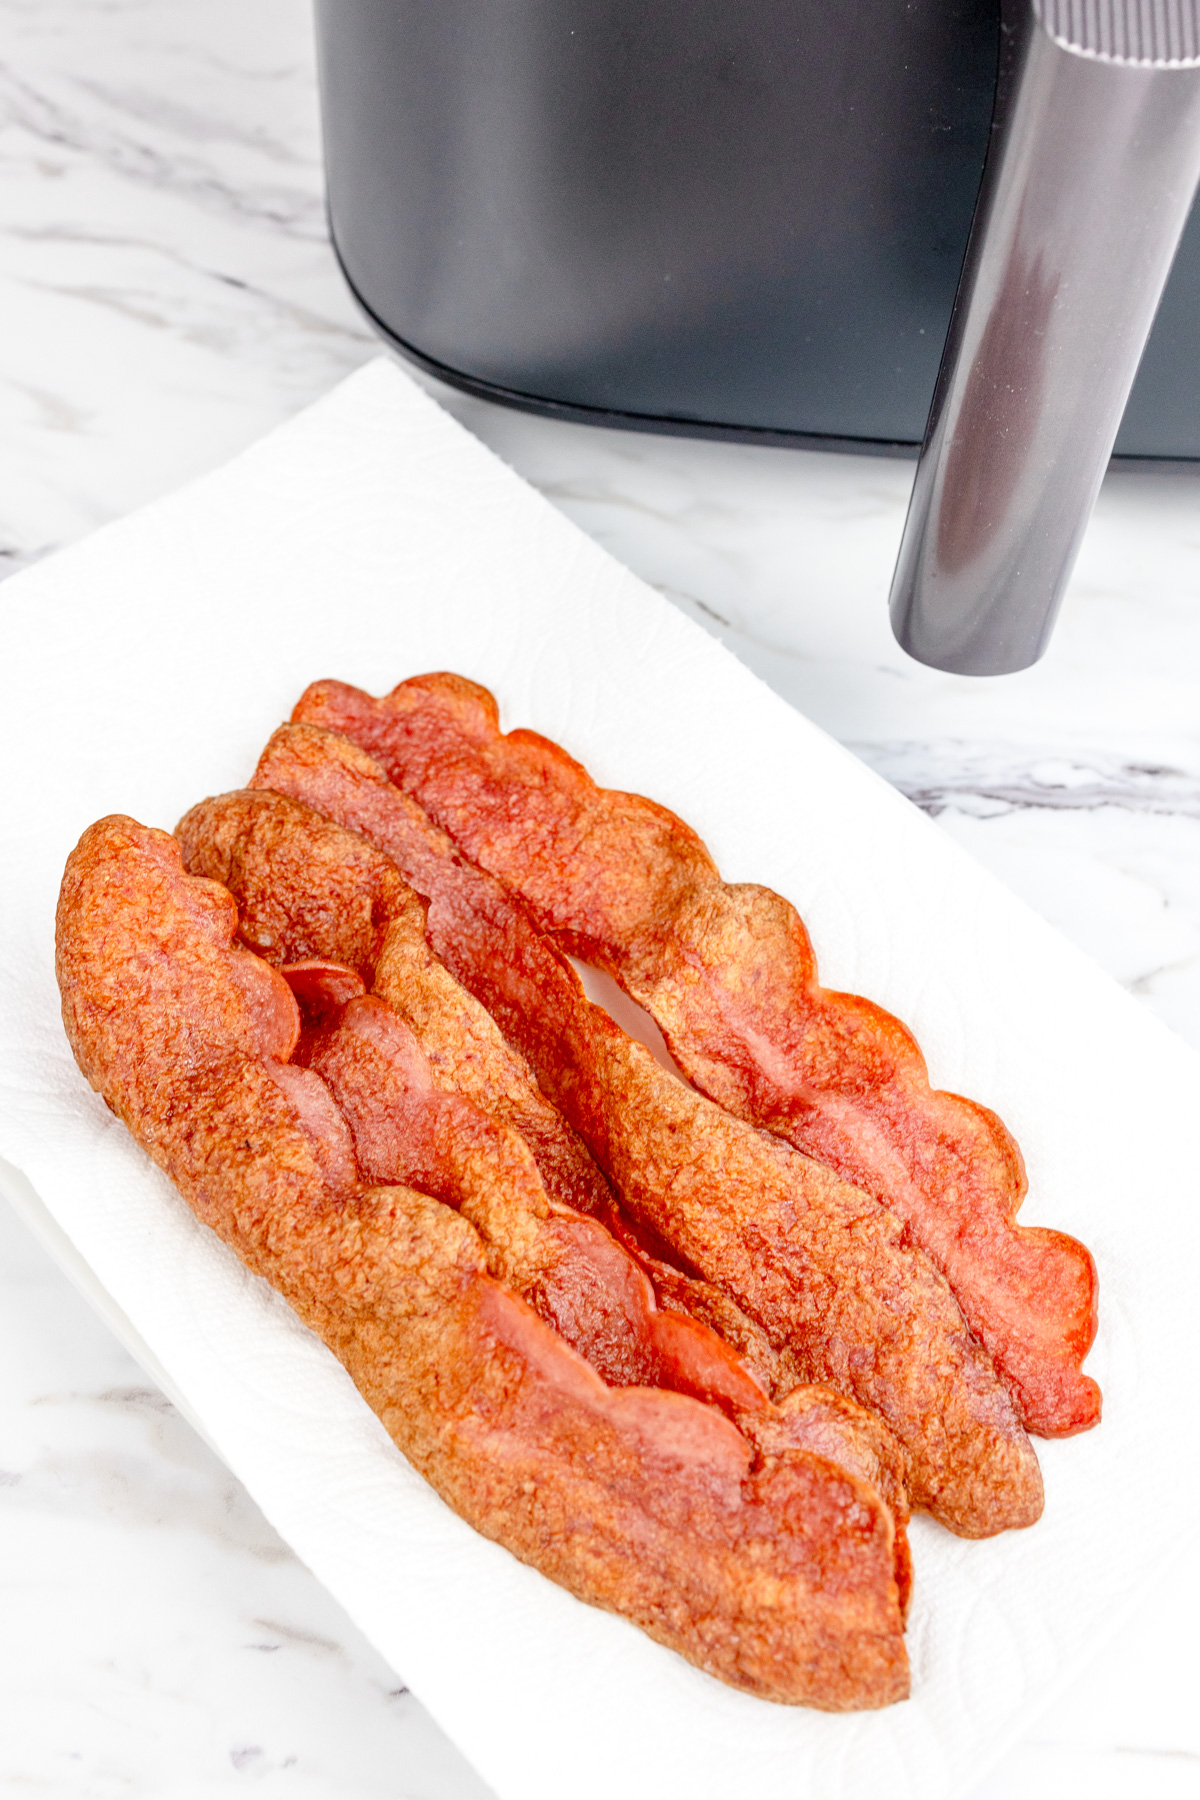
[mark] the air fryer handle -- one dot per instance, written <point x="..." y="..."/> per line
<point x="1093" y="162"/>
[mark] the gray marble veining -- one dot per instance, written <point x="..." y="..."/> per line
<point x="986" y="779"/>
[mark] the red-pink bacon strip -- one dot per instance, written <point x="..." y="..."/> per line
<point x="729" y="975"/>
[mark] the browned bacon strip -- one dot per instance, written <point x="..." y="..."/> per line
<point x="407" y="1131"/>
<point x="817" y="1264"/>
<point x="476" y="930"/>
<point x="360" y="894"/>
<point x="729" y="975"/>
<point x="567" y="1267"/>
<point x="771" y="1569"/>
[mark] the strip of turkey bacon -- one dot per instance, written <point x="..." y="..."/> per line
<point x="583" y="1283"/>
<point x="771" y="1568"/>
<point x="728" y="973"/>
<point x="821" y="1268"/>
<point x="568" y="1268"/>
<point x="476" y="928"/>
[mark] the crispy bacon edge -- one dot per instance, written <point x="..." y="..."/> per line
<point x="729" y="975"/>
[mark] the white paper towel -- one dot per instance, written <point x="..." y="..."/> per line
<point x="370" y="539"/>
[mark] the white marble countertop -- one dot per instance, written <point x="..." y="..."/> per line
<point x="168" y="294"/>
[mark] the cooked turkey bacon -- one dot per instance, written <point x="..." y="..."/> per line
<point x="765" y="1564"/>
<point x="476" y="929"/>
<point x="568" y="1267"/>
<point x="356" y="894"/>
<point x="820" y="1266"/>
<point x="728" y="973"/>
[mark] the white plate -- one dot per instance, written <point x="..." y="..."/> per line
<point x="371" y="539"/>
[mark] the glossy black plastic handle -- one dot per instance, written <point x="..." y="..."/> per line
<point x="1092" y="167"/>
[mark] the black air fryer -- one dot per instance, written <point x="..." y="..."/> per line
<point x="854" y="224"/>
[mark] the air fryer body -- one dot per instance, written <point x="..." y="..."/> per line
<point x="742" y="220"/>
